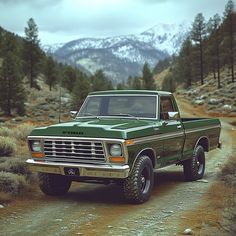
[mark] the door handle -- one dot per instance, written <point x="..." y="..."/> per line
<point x="179" y="126"/>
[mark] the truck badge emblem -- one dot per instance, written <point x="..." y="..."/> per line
<point x="71" y="172"/>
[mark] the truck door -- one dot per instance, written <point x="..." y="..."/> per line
<point x="171" y="130"/>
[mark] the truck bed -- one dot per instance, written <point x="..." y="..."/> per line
<point x="201" y="127"/>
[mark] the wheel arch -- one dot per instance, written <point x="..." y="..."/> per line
<point x="150" y="152"/>
<point x="204" y="142"/>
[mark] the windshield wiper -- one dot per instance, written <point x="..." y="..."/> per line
<point x="125" y="114"/>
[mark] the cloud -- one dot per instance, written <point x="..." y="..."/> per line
<point x="95" y="18"/>
<point x="30" y="3"/>
<point x="152" y="1"/>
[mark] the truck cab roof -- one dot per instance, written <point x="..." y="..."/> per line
<point x="122" y="92"/>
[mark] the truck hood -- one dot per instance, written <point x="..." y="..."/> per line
<point x="100" y="128"/>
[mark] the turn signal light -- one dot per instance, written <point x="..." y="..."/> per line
<point x="37" y="155"/>
<point x="117" y="159"/>
<point x="129" y="142"/>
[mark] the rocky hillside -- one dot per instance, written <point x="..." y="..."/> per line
<point x="42" y="106"/>
<point x="214" y="101"/>
<point x="121" y="56"/>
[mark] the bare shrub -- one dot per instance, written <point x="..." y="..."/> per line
<point x="12" y="183"/>
<point x="7" y="146"/>
<point x="6" y="132"/>
<point x="22" y="131"/>
<point x="228" y="171"/>
<point x="3" y="159"/>
<point x="15" y="166"/>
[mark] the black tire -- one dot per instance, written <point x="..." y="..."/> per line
<point x="138" y="186"/>
<point x="194" y="168"/>
<point x="53" y="184"/>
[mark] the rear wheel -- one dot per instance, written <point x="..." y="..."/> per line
<point x="194" y="168"/>
<point x="54" y="185"/>
<point x="138" y="186"/>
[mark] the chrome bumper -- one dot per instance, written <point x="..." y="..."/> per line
<point x="85" y="170"/>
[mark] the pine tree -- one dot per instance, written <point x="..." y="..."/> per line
<point x="198" y="36"/>
<point x="214" y="45"/>
<point x="210" y="53"/>
<point x="121" y="86"/>
<point x="12" y="95"/>
<point x="80" y="91"/>
<point x="69" y="77"/>
<point x="129" y="83"/>
<point x="8" y="44"/>
<point x="162" y="65"/>
<point x="148" y="80"/>
<point x="100" y="82"/>
<point x="50" y="72"/>
<point x="169" y="83"/>
<point x="1" y="41"/>
<point x="184" y="63"/>
<point x="134" y="83"/>
<point x="31" y="53"/>
<point x="137" y="85"/>
<point x="230" y="29"/>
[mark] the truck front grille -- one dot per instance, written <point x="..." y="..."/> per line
<point x="78" y="151"/>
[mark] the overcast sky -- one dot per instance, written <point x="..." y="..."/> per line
<point x="65" y="20"/>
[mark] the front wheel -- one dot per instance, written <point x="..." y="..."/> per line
<point x="53" y="184"/>
<point x="138" y="186"/>
<point x="194" y="168"/>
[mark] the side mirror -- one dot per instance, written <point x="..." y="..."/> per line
<point x="73" y="114"/>
<point x="173" y="115"/>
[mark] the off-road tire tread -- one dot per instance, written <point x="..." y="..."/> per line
<point x="190" y="168"/>
<point x="53" y="184"/>
<point x="130" y="186"/>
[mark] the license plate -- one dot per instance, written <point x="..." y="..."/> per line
<point x="71" y="171"/>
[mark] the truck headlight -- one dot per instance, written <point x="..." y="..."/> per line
<point x="36" y="146"/>
<point x="115" y="150"/>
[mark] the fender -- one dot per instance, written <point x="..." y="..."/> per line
<point x="206" y="148"/>
<point x="153" y="158"/>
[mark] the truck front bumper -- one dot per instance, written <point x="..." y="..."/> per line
<point x="84" y="170"/>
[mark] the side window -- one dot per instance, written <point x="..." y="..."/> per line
<point x="166" y="106"/>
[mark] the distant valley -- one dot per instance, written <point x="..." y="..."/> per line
<point x="121" y="56"/>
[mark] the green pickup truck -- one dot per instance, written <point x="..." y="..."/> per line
<point x="121" y="137"/>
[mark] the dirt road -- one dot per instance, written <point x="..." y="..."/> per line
<point x="90" y="209"/>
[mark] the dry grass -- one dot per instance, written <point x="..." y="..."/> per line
<point x="228" y="172"/>
<point x="5" y="197"/>
<point x="7" y="146"/>
<point x="206" y="219"/>
<point x="228" y="175"/>
<point x="217" y="214"/>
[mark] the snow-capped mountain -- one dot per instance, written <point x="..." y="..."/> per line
<point x="121" y="56"/>
<point x="51" y="48"/>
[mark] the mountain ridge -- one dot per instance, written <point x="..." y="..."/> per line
<point x="121" y="56"/>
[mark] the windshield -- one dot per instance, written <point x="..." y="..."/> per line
<point x="125" y="106"/>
